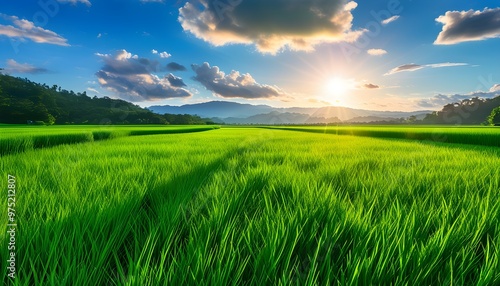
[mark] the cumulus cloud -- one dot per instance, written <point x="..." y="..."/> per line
<point x="271" y="25"/>
<point x="132" y="78"/>
<point x="26" y="30"/>
<point x="389" y="20"/>
<point x="175" y="81"/>
<point x="173" y="66"/>
<point x="376" y="52"/>
<point x="123" y="55"/>
<point x="414" y="67"/>
<point x="74" y="2"/>
<point x="370" y="86"/>
<point x="495" y="88"/>
<point x="162" y="55"/>
<point x="443" y="99"/>
<point x="14" y="67"/>
<point x="233" y="84"/>
<point x="469" y="25"/>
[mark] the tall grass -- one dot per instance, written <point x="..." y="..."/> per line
<point x="486" y="136"/>
<point x="257" y="207"/>
<point x="19" y="139"/>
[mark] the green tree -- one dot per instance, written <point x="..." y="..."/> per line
<point x="412" y="119"/>
<point x="494" y="118"/>
<point x="50" y="119"/>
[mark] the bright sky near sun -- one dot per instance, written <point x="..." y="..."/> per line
<point x="380" y="55"/>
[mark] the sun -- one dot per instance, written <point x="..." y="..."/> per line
<point x="338" y="86"/>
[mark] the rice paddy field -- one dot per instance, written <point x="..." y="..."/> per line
<point x="19" y="138"/>
<point x="251" y="206"/>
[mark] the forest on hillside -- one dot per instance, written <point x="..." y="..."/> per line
<point x="22" y="101"/>
<point x="472" y="111"/>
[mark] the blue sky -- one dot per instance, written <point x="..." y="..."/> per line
<point x="381" y="55"/>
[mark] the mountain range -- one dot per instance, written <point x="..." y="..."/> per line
<point x="22" y="101"/>
<point x="237" y="113"/>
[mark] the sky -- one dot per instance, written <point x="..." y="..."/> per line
<point x="380" y="55"/>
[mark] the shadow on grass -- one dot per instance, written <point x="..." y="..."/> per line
<point x="106" y="245"/>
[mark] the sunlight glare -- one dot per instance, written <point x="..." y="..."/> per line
<point x="338" y="86"/>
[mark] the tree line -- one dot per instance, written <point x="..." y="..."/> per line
<point x="473" y="111"/>
<point x="23" y="101"/>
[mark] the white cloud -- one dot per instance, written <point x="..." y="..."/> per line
<point x="14" y="67"/>
<point x="234" y="84"/>
<point x="406" y="67"/>
<point x="270" y="25"/>
<point x="390" y="20"/>
<point x="350" y="6"/>
<point x="74" y="2"/>
<point x="376" y="52"/>
<point x="24" y="29"/>
<point x="93" y="90"/>
<point x="134" y="78"/>
<point x="101" y="55"/>
<point x="440" y="100"/>
<point x="442" y="65"/>
<point x="414" y="67"/>
<point x="163" y="55"/>
<point x="495" y="88"/>
<point x="124" y="55"/>
<point x="469" y="25"/>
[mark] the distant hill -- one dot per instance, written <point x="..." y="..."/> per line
<point x="276" y="117"/>
<point x="236" y="113"/>
<point x="364" y="119"/>
<point x="220" y="109"/>
<point x="22" y="100"/>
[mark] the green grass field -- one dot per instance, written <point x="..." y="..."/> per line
<point x="253" y="206"/>
<point x="20" y="138"/>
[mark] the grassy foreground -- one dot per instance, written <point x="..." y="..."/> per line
<point x="255" y="206"/>
<point x="20" y="138"/>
